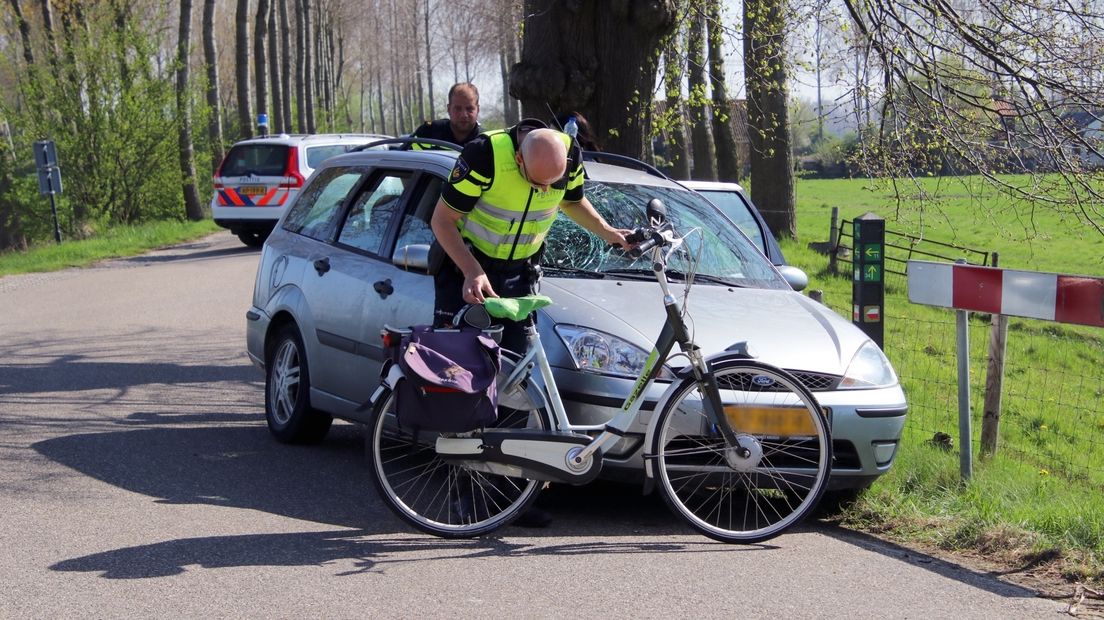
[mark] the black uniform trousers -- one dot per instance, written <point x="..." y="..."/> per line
<point x="508" y="278"/>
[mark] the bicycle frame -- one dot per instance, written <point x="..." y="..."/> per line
<point x="674" y="332"/>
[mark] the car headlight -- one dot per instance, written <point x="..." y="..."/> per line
<point x="602" y="353"/>
<point x="868" y="369"/>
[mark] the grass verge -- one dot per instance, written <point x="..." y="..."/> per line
<point x="1040" y="499"/>
<point x="115" y="242"/>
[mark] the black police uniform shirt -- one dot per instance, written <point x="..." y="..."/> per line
<point x="441" y="129"/>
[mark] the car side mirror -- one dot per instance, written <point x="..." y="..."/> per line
<point x="411" y="257"/>
<point x="795" y="277"/>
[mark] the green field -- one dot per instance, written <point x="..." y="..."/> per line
<point x="1042" y="493"/>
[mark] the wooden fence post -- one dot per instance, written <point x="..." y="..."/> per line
<point x="994" y="380"/>
<point x="833" y="241"/>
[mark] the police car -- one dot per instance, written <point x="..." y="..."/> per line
<point x="260" y="177"/>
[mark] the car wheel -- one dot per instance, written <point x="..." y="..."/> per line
<point x="291" y="419"/>
<point x="252" y="239"/>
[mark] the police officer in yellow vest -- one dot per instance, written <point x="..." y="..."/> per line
<point x="502" y="197"/>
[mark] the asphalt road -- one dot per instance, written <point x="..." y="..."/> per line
<point x="137" y="479"/>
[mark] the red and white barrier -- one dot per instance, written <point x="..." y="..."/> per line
<point x="1031" y="294"/>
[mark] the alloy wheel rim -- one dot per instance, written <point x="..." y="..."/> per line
<point x="285" y="384"/>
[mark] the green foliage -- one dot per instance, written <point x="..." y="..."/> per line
<point x="109" y="106"/>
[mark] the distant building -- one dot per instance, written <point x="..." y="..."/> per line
<point x="1090" y="127"/>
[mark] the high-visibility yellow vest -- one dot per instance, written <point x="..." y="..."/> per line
<point x="511" y="219"/>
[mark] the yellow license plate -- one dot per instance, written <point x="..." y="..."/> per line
<point x="765" y="420"/>
<point x="253" y="190"/>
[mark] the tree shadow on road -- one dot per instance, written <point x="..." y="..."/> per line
<point x="243" y="467"/>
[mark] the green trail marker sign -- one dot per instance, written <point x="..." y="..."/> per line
<point x="868" y="283"/>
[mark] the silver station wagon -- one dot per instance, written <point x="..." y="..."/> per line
<point x="350" y="256"/>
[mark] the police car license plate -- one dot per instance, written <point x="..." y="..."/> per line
<point x="253" y="190"/>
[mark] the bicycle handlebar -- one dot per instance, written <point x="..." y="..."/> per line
<point x="648" y="238"/>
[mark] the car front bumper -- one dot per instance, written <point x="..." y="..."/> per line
<point x="866" y="425"/>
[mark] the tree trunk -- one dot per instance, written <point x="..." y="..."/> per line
<point x="192" y="208"/>
<point x="771" y="157"/>
<point x="728" y="159"/>
<point x="210" y="59"/>
<point x="701" y="137"/>
<point x="429" y="63"/>
<point x="241" y="60"/>
<point x="379" y="100"/>
<point x="507" y="57"/>
<point x="678" y="151"/>
<point x="422" y="67"/>
<point x="307" y="52"/>
<point x="319" y="65"/>
<point x="24" y="32"/>
<point x="51" y="37"/>
<point x="260" y="61"/>
<point x="121" y="10"/>
<point x="277" y="122"/>
<point x="300" y="67"/>
<point x="596" y="58"/>
<point x="285" y="65"/>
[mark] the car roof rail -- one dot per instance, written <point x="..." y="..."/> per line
<point x="404" y="143"/>
<point x="625" y="161"/>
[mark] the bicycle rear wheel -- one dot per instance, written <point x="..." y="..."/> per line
<point x="448" y="498"/>
<point x="743" y="499"/>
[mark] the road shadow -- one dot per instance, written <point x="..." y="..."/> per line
<point x="368" y="554"/>
<point x="243" y="467"/>
<point x="189" y="252"/>
<point x="29" y="366"/>
<point x="983" y="580"/>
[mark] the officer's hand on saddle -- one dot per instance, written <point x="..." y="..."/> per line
<point x="477" y="289"/>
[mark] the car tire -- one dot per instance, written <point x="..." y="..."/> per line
<point x="291" y="419"/>
<point x="252" y="239"/>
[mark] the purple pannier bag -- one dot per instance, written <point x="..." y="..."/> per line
<point x="449" y="380"/>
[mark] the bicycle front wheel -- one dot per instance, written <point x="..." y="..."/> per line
<point x="446" y="498"/>
<point x="755" y="495"/>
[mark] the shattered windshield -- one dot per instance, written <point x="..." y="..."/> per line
<point x="726" y="255"/>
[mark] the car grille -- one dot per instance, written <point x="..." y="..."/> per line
<point x="813" y="381"/>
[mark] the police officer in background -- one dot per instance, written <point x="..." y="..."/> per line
<point x="503" y="194"/>
<point x="462" y="125"/>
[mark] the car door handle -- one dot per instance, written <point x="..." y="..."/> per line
<point x="384" y="288"/>
<point x="322" y="265"/>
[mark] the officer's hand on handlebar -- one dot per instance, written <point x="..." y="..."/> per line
<point x="619" y="237"/>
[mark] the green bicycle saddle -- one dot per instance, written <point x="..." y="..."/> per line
<point x="515" y="308"/>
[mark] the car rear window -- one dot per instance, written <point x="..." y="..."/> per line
<point x="318" y="154"/>
<point x="264" y="160"/>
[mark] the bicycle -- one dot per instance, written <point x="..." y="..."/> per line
<point x="740" y="449"/>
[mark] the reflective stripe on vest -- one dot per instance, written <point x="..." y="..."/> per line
<point x="511" y="219"/>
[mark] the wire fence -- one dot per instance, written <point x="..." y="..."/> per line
<point x="1051" y="415"/>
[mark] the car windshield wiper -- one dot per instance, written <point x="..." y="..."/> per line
<point x="634" y="273"/>
<point x="674" y="275"/>
<point x="571" y="272"/>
